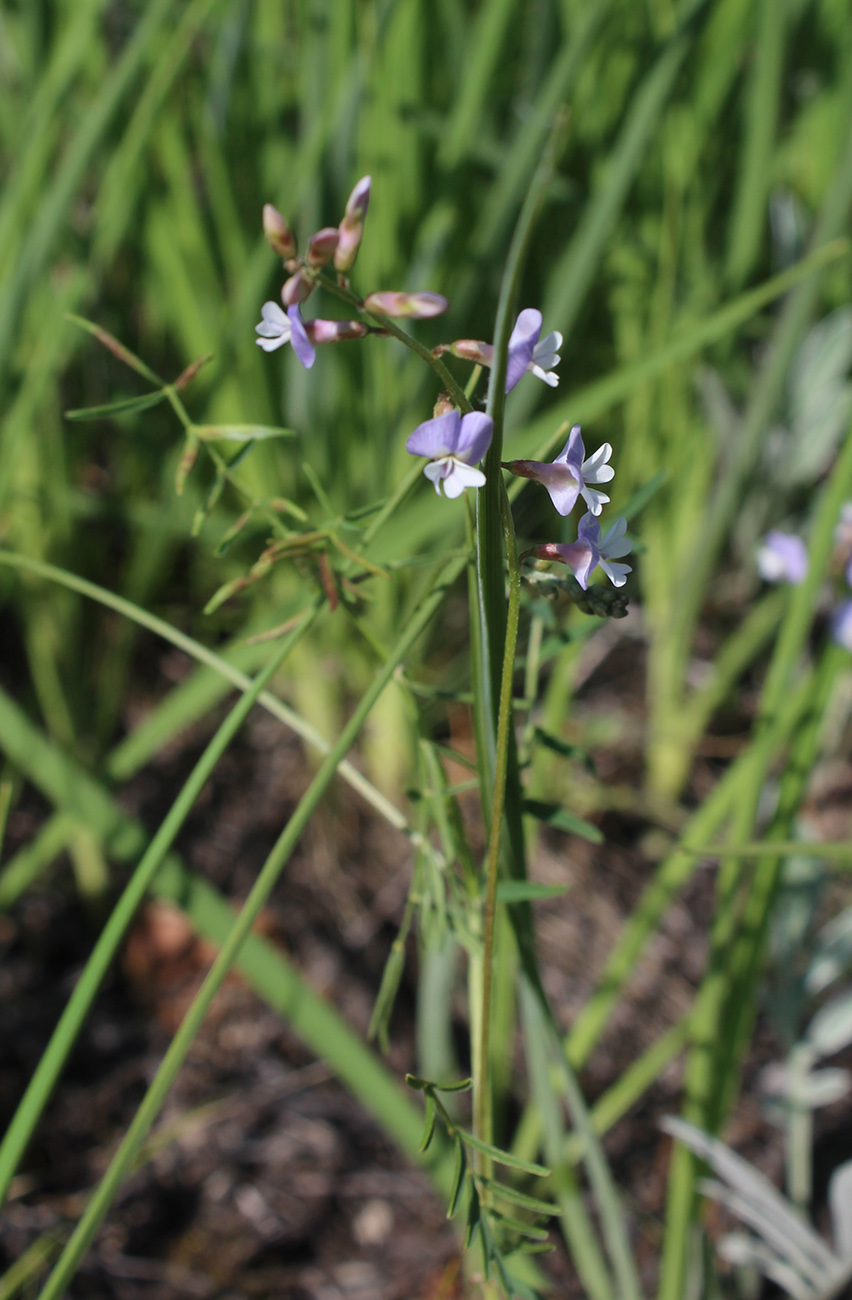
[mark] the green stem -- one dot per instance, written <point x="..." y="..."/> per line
<point x="390" y="326"/>
<point x="482" y="1119"/>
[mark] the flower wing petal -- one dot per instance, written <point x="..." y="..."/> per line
<point x="462" y="476"/>
<point x="596" y="469"/>
<point x="617" y="573"/>
<point x="594" y="499"/>
<point x="548" y="377"/>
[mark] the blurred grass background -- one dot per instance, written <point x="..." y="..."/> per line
<point x="706" y="142"/>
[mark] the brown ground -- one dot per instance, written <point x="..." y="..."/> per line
<point x="268" y="1179"/>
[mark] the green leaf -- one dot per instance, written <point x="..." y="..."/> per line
<point x="520" y="1226"/>
<point x="472" y="1225"/>
<point x="508" y="1193"/>
<point x="504" y="1157"/>
<point x="120" y="407"/>
<point x="429" y="1122"/>
<point x="525" y="891"/>
<point x="562" y="820"/>
<point x="564" y="748"/>
<point x="459" y="1169"/>
<point x="454" y="1085"/>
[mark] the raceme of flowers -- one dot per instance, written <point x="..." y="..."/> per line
<point x="783" y="557"/>
<point x="452" y="444"/>
<point x="337" y="246"/>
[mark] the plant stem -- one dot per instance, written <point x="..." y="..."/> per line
<point x="389" y="326"/>
<point x="482" y="1095"/>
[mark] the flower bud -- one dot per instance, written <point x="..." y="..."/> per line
<point x="468" y="350"/>
<point x="413" y="306"/>
<point x="352" y="226"/>
<point x="297" y="289"/>
<point x="444" y="403"/>
<point x="321" y="247"/>
<point x="334" y="331"/>
<point x="278" y="234"/>
<point x="524" y="468"/>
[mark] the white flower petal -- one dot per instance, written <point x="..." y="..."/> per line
<point x="272" y="314"/>
<point x="546" y="351"/>
<point x="594" y="499"/>
<point x="617" y="573"/>
<point x="269" y="345"/>
<point x="549" y="376"/>
<point x="460" y="477"/>
<point x="595" y="468"/>
<point x="437" y="470"/>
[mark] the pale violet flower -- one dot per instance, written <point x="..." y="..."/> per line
<point x="278" y="327"/>
<point x="783" y="557"/>
<point x="591" y="550"/>
<point x="528" y="352"/>
<point x="571" y="475"/>
<point x="453" y="444"/>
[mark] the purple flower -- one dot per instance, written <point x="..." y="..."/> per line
<point x="783" y="557"/>
<point x="277" y="328"/>
<point x="591" y="550"/>
<point x="526" y="350"/>
<point x="841" y="624"/>
<point x="527" y="353"/>
<point x="454" y="444"/>
<point x="571" y="475"/>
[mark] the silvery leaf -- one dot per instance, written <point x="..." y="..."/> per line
<point x="775" y="1238"/>
<point x="831" y="1028"/>
<point x="740" y="1249"/>
<point x="833" y="953"/>
<point x="755" y="1189"/>
<point x="840" y="1202"/>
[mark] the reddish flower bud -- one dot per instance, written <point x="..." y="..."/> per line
<point x="297" y="289"/>
<point x="278" y="234"/>
<point x="472" y="350"/>
<point x="444" y="403"/>
<point x="413" y="306"/>
<point x="334" y="331"/>
<point x="321" y="246"/>
<point x="352" y="226"/>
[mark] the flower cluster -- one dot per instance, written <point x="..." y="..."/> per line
<point x="454" y="445"/>
<point x="783" y="557"/>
